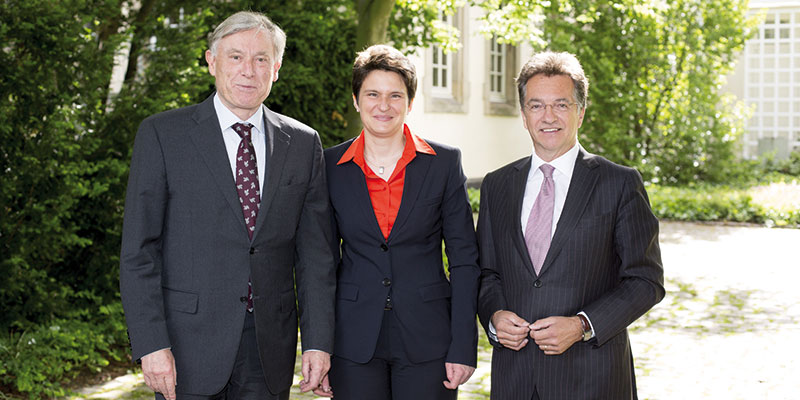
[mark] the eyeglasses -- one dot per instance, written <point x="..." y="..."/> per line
<point x="536" y="108"/>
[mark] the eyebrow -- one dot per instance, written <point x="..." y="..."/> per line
<point x="536" y="100"/>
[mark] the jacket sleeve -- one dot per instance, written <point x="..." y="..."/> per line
<point x="462" y="254"/>
<point x="141" y="255"/>
<point x="315" y="271"/>
<point x="641" y="275"/>
<point x="490" y="297"/>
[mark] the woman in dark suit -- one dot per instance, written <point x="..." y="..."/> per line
<point x="403" y="329"/>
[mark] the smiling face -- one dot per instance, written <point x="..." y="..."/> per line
<point x="553" y="133"/>
<point x="383" y="103"/>
<point x="244" y="68"/>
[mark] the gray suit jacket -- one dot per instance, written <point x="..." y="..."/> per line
<point x="186" y="256"/>
<point x="604" y="259"/>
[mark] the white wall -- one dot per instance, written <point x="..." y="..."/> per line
<point x="487" y="142"/>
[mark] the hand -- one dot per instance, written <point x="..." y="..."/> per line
<point x="554" y="335"/>
<point x="158" y="369"/>
<point x="457" y="374"/>
<point x="315" y="373"/>
<point x="512" y="331"/>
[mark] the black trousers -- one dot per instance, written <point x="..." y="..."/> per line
<point x="389" y="375"/>
<point x="247" y="380"/>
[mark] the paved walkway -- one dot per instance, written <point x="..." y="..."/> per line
<point x="727" y="329"/>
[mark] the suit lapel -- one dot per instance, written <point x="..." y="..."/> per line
<point x="580" y="190"/>
<point x="207" y="137"/>
<point x="278" y="141"/>
<point x="519" y="180"/>
<point x="416" y="171"/>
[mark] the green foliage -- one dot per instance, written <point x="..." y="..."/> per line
<point x="474" y="199"/>
<point x="789" y="166"/>
<point x="655" y="70"/>
<point x="709" y="203"/>
<point x="704" y="203"/>
<point x="41" y="361"/>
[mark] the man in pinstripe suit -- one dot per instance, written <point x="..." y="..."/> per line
<point x="569" y="252"/>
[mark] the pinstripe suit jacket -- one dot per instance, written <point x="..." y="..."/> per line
<point x="604" y="259"/>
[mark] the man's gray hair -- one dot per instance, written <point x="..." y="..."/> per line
<point x="245" y="21"/>
<point x="549" y="64"/>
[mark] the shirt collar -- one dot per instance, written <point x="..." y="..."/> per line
<point x="414" y="144"/>
<point x="565" y="163"/>
<point x="227" y="118"/>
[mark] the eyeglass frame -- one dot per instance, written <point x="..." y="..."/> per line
<point x="528" y="107"/>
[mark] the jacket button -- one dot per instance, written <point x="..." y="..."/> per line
<point x="386" y="282"/>
<point x="384" y="247"/>
<point x="243" y="299"/>
<point x="537" y="284"/>
<point x="252" y="250"/>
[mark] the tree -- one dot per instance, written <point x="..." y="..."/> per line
<point x="656" y="69"/>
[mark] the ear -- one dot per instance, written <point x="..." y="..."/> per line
<point x="275" y="68"/>
<point x="355" y="103"/>
<point x="410" y="104"/>
<point x="524" y="118"/>
<point x="211" y="60"/>
<point x="580" y="117"/>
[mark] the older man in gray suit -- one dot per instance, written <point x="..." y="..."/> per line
<point x="569" y="252"/>
<point x="214" y="271"/>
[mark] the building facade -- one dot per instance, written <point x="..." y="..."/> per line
<point x="767" y="78"/>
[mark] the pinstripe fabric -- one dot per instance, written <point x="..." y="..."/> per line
<point x="604" y="259"/>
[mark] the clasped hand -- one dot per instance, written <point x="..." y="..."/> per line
<point x="553" y="335"/>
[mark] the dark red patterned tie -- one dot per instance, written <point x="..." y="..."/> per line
<point x="247" y="187"/>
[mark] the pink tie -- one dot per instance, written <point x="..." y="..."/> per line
<point x="540" y="222"/>
<point x="247" y="187"/>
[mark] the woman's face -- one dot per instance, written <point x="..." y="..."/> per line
<point x="383" y="103"/>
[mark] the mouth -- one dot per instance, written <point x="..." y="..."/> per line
<point x="245" y="88"/>
<point x="549" y="131"/>
<point x="383" y="118"/>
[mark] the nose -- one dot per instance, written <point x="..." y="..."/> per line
<point x="549" y="113"/>
<point x="248" y="69"/>
<point x="384" y="104"/>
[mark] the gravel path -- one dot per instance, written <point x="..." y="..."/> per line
<point x="727" y="328"/>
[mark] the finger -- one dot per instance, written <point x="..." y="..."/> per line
<point x="169" y="388"/>
<point x="324" y="389"/>
<point x="322" y="393"/>
<point x="516" y="346"/>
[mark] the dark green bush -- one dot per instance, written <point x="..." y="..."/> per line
<point x="41" y="361"/>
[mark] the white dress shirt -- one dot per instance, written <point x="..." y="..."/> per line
<point x="258" y="135"/>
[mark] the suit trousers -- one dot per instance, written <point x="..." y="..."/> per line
<point x="389" y="375"/>
<point x="247" y="379"/>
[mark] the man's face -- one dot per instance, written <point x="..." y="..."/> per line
<point x="244" y="68"/>
<point x="553" y="133"/>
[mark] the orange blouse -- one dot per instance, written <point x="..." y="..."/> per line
<point x="386" y="195"/>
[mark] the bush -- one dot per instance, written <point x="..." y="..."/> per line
<point x="41" y="361"/>
<point x="704" y="203"/>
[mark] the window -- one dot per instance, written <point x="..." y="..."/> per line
<point x="443" y="84"/>
<point x="441" y="73"/>
<point x="500" y="89"/>
<point x="770" y="83"/>
<point x="497" y="71"/>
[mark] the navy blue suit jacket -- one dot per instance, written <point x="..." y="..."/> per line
<point x="437" y="315"/>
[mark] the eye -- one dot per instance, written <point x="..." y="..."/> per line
<point x="372" y="94"/>
<point x="536" y="106"/>
<point x="397" y="96"/>
<point x="562" y="106"/>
